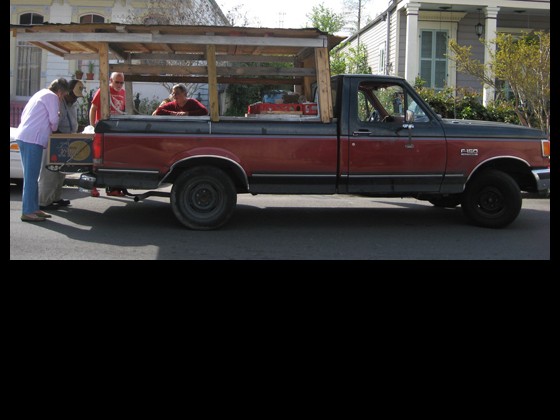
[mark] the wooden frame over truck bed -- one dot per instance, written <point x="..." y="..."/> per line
<point x="194" y="54"/>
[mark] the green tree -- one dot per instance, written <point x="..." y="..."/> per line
<point x="325" y="19"/>
<point x="357" y="60"/>
<point x="524" y="63"/>
<point x="337" y="61"/>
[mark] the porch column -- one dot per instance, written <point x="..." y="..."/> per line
<point x="490" y="29"/>
<point x="412" y="41"/>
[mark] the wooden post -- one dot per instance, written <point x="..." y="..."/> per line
<point x="324" y="84"/>
<point x="129" y="107"/>
<point x="104" y="80"/>
<point x="308" y="81"/>
<point x="212" y="83"/>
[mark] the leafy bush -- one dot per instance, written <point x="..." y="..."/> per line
<point x="466" y="104"/>
<point x="503" y="111"/>
<point x="441" y="102"/>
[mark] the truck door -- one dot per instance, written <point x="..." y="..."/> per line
<point x="387" y="153"/>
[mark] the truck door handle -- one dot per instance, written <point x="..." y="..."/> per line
<point x="362" y="132"/>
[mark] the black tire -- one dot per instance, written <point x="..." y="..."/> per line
<point x="203" y="198"/>
<point x="492" y="199"/>
<point x="449" y="201"/>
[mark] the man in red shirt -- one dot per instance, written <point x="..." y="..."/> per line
<point x="181" y="105"/>
<point x="117" y="97"/>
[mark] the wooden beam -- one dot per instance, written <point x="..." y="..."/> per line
<point x="167" y="56"/>
<point x="213" y="83"/>
<point x="86" y="46"/>
<point x="87" y="56"/>
<point x="104" y="80"/>
<point x="221" y="71"/>
<point x="117" y="51"/>
<point x="240" y="40"/>
<point x="220" y="80"/>
<point x="50" y="48"/>
<point x="219" y="57"/>
<point x="324" y="84"/>
<point x="138" y="38"/>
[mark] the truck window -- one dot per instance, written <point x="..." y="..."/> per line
<point x="380" y="103"/>
<point x="383" y="102"/>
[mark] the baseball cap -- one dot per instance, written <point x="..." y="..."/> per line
<point x="78" y="88"/>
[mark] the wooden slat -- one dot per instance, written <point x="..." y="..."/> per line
<point x="221" y="71"/>
<point x="323" y="84"/>
<point x="212" y="83"/>
<point x="104" y="80"/>
<point x="221" y="80"/>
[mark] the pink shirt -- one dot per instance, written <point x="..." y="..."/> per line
<point x="39" y="118"/>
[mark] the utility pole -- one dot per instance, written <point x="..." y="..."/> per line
<point x="359" y="20"/>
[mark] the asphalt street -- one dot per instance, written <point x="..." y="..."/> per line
<point x="275" y="227"/>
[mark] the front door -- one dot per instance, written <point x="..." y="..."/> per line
<point x="387" y="154"/>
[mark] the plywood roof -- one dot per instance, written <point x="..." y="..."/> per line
<point x="126" y="41"/>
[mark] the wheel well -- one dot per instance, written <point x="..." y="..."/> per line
<point x="235" y="172"/>
<point x="515" y="168"/>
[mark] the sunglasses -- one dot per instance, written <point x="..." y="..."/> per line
<point x="118" y="83"/>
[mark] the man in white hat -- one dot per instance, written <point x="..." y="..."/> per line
<point x="50" y="182"/>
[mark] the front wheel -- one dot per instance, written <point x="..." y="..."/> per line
<point x="203" y="198"/>
<point x="492" y="199"/>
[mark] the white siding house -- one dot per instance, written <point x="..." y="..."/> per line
<point x="413" y="36"/>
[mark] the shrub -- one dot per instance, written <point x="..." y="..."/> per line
<point x="466" y="104"/>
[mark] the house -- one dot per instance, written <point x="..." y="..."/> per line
<point x="33" y="68"/>
<point x="410" y="38"/>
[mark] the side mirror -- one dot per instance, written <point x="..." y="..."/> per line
<point x="409" y="118"/>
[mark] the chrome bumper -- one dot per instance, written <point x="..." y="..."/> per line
<point x="542" y="178"/>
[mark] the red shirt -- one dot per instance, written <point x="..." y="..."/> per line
<point x="118" y="102"/>
<point x="192" y="106"/>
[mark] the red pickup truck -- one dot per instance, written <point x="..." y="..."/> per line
<point x="384" y="141"/>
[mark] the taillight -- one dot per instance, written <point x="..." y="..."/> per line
<point x="545" y="144"/>
<point x="97" y="148"/>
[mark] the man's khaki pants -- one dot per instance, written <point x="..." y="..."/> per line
<point x="50" y="183"/>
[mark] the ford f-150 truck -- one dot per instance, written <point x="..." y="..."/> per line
<point x="354" y="134"/>
<point x="384" y="141"/>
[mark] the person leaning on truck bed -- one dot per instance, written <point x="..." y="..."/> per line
<point x="39" y="119"/>
<point x="162" y="103"/>
<point x="51" y="182"/>
<point x="181" y="105"/>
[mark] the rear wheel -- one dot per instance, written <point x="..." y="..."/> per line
<point x="492" y="199"/>
<point x="203" y="198"/>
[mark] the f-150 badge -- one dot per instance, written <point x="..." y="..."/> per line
<point x="469" y="152"/>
